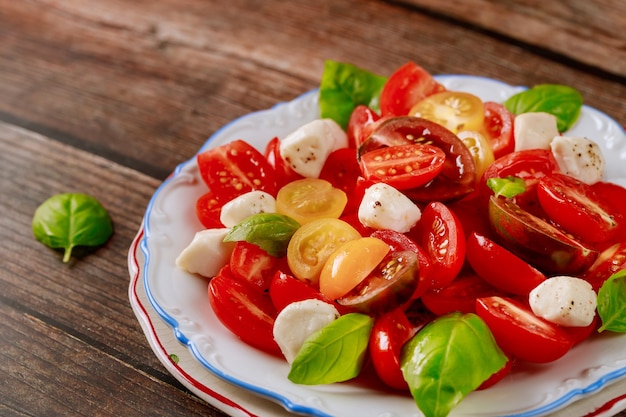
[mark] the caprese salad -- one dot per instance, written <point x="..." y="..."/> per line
<point x="428" y="234"/>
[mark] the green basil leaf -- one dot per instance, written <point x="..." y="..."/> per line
<point x="334" y="353"/>
<point x="612" y="303"/>
<point x="446" y="360"/>
<point x="69" y="220"/>
<point x="507" y="187"/>
<point x="562" y="101"/>
<point x="270" y="231"/>
<point x="343" y="87"/>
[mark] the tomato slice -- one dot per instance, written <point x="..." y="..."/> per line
<point x="235" y="168"/>
<point x="576" y="208"/>
<point x="455" y="110"/>
<point x="406" y="86"/>
<point x="249" y="263"/>
<point x="610" y="261"/>
<point x="459" y="295"/>
<point x="284" y="172"/>
<point x="520" y="333"/>
<point x="498" y="126"/>
<point x="458" y="176"/>
<point x="360" y="125"/>
<point x="389" y="333"/>
<point x="208" y="208"/>
<point x="245" y="311"/>
<point x="501" y="268"/>
<point x="310" y="199"/>
<point x="536" y="241"/>
<point x="403" y="166"/>
<point x="440" y="233"/>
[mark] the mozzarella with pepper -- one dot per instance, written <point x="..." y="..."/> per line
<point x="246" y="205"/>
<point x="307" y="148"/>
<point x="299" y="320"/>
<point x="384" y="207"/>
<point x="564" y="300"/>
<point x="534" y="130"/>
<point x="579" y="157"/>
<point x="207" y="253"/>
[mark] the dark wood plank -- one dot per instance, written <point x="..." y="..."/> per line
<point x="590" y="32"/>
<point x="70" y="342"/>
<point x="122" y="81"/>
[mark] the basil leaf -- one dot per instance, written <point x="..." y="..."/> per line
<point x="562" y="101"/>
<point x="269" y="231"/>
<point x="345" y="86"/>
<point x="612" y="303"/>
<point x="334" y="353"/>
<point x="507" y="187"/>
<point x="70" y="220"/>
<point x="446" y="360"/>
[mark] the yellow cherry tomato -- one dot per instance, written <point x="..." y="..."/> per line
<point x="480" y="148"/>
<point x="309" y="199"/>
<point x="454" y="110"/>
<point x="311" y="245"/>
<point x="350" y="264"/>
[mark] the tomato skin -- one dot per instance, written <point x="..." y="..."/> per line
<point x="285" y="289"/>
<point x="536" y="241"/>
<point x="245" y="311"/>
<point x="498" y="376"/>
<point x="284" y="173"/>
<point x="610" y="261"/>
<point x="498" y="125"/>
<point x="459" y="295"/>
<point x="458" y="176"/>
<point x="406" y="86"/>
<point x="403" y="166"/>
<point x="342" y="170"/>
<point x="251" y="264"/>
<point x="208" y="208"/>
<point x="520" y="333"/>
<point x="501" y="268"/>
<point x="389" y="333"/>
<point x="360" y="125"/>
<point x="441" y="235"/>
<point x="580" y="334"/>
<point x="234" y="168"/>
<point x="576" y="208"/>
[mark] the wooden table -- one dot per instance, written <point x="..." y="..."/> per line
<point x="107" y="98"/>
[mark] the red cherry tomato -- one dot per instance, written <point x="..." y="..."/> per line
<point x="403" y="166"/>
<point x="244" y="310"/>
<point x="285" y="289"/>
<point x="440" y="234"/>
<point x="342" y="170"/>
<point x="208" y="209"/>
<point x="498" y="125"/>
<point x="458" y="175"/>
<point x="498" y="376"/>
<point x="580" y="334"/>
<point x="406" y="86"/>
<point x="389" y="333"/>
<point x="614" y="195"/>
<point x="520" y="333"/>
<point x="251" y="264"/>
<point x="501" y="268"/>
<point x="459" y="295"/>
<point x="576" y="208"/>
<point x="361" y="124"/>
<point x="283" y="171"/>
<point x="610" y="261"/>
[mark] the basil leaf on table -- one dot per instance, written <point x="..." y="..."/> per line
<point x="70" y="220"/>
<point x="269" y="231"/>
<point x="612" y="303"/>
<point x="447" y="359"/>
<point x="334" y="353"/>
<point x="345" y="86"/>
<point x="562" y="101"/>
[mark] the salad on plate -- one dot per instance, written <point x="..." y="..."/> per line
<point x="415" y="234"/>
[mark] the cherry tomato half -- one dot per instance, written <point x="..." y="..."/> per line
<point x="249" y="263"/>
<point x="614" y="195"/>
<point x="454" y="110"/>
<point x="284" y="172"/>
<point x="244" y="310"/>
<point x="235" y="168"/>
<point x="500" y="267"/>
<point x="360" y="125"/>
<point x="310" y="199"/>
<point x="610" y="261"/>
<point x="459" y="295"/>
<point x="576" y="208"/>
<point x="342" y="170"/>
<point x="498" y="126"/>
<point x="208" y="208"/>
<point x="406" y="86"/>
<point x="520" y="333"/>
<point x="285" y="289"/>
<point x="403" y="166"/>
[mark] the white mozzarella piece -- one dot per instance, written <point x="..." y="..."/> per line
<point x="307" y="148"/>
<point x="207" y="253"/>
<point x="384" y="207"/>
<point x="564" y="300"/>
<point x="579" y="157"/>
<point x="534" y="130"/>
<point x="246" y="205"/>
<point x="299" y="320"/>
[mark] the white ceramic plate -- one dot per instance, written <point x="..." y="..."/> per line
<point x="181" y="299"/>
